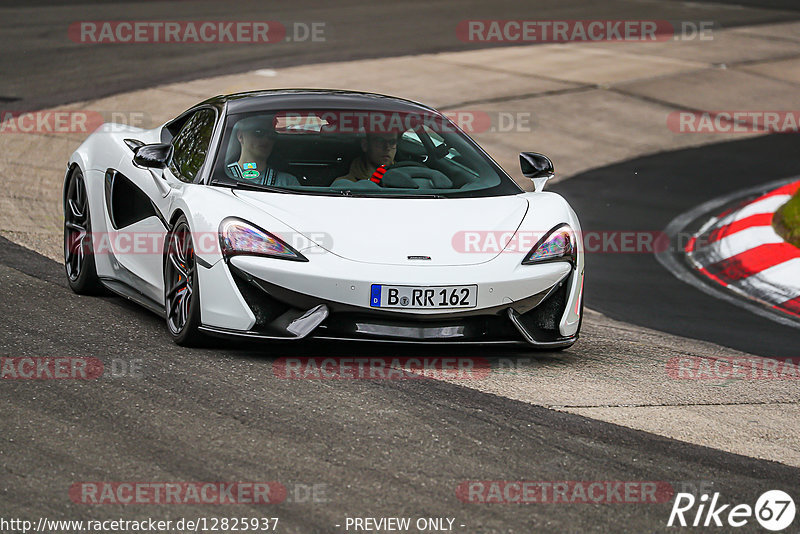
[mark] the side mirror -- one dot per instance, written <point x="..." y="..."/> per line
<point x="152" y="156"/>
<point x="537" y="167"/>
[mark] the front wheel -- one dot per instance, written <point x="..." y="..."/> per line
<point x="78" y="250"/>
<point x="181" y="294"/>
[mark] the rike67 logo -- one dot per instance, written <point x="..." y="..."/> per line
<point x="774" y="510"/>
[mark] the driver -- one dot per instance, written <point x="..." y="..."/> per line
<point x="378" y="150"/>
<point x="256" y="135"/>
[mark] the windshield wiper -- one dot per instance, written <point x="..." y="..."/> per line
<point x="270" y="188"/>
<point x="254" y="187"/>
<point x="349" y="193"/>
<point x="340" y="192"/>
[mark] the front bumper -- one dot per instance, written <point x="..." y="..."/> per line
<point x="316" y="304"/>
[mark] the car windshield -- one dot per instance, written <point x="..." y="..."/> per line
<point x="358" y="153"/>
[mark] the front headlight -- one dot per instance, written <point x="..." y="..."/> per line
<point x="239" y="237"/>
<point x="558" y="245"/>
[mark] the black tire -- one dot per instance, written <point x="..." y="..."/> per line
<point x="181" y="288"/>
<point x="79" y="262"/>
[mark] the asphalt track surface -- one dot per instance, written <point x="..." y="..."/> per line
<point x="381" y="448"/>
<point x="42" y="68"/>
<point x="389" y="448"/>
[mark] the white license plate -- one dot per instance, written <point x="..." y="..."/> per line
<point x="423" y="297"/>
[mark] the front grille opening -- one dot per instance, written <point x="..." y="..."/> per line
<point x="265" y="308"/>
<point x="542" y="321"/>
<point x="470" y="328"/>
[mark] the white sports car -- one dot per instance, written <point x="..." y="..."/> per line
<point x="289" y="214"/>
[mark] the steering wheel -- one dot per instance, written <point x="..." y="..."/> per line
<point x="377" y="176"/>
<point x="405" y="173"/>
<point x="400" y="164"/>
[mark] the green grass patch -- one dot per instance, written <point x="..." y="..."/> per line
<point x="787" y="220"/>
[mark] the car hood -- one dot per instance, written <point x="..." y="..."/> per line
<point x="395" y="231"/>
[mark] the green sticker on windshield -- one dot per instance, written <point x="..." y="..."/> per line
<point x="250" y="174"/>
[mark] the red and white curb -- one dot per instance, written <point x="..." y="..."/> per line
<point x="740" y="250"/>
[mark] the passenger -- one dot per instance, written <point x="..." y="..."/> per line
<point x="378" y="150"/>
<point x="256" y="135"/>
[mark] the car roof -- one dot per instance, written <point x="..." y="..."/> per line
<point x="278" y="99"/>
